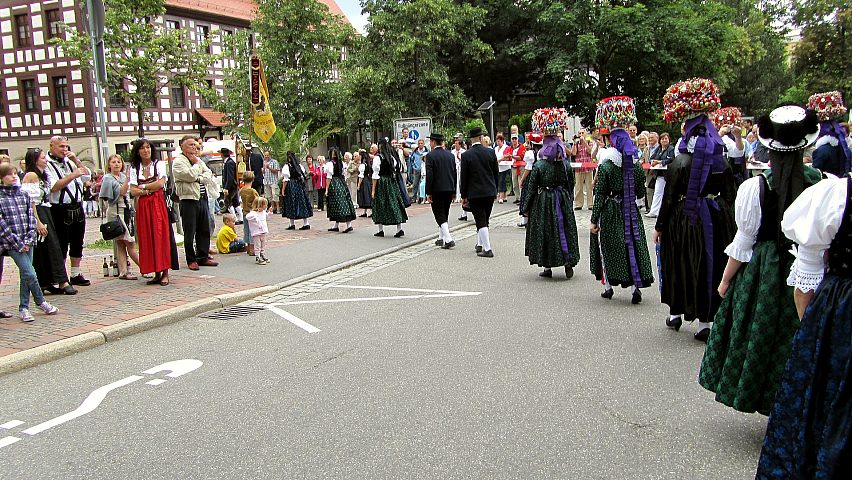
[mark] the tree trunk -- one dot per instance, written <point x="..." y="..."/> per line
<point x="140" y="112"/>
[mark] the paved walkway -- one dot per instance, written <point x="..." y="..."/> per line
<point x="110" y="301"/>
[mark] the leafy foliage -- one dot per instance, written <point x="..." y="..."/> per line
<point x="298" y="140"/>
<point x="822" y="60"/>
<point x="148" y="57"/>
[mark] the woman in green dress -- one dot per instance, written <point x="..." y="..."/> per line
<point x="619" y="250"/>
<point x="340" y="207"/>
<point x="388" y="204"/>
<point x="551" y="236"/>
<point x="753" y="330"/>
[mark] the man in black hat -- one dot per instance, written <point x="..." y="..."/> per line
<point x="478" y="186"/>
<point x="230" y="186"/>
<point x="441" y="187"/>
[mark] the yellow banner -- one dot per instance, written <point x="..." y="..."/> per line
<point x="263" y="122"/>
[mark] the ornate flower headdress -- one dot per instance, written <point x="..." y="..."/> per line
<point x="615" y="112"/>
<point x="550" y="121"/>
<point x="827" y="105"/>
<point x="727" y="116"/>
<point x="689" y="98"/>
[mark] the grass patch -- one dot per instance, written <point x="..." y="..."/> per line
<point x="100" y="244"/>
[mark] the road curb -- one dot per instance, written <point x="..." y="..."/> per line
<point x="51" y="351"/>
<point x="158" y="319"/>
<point x="79" y="343"/>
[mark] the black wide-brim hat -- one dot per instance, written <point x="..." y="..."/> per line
<point x="225" y="151"/>
<point x="788" y="128"/>
<point x="436" y="136"/>
<point x="475" y="132"/>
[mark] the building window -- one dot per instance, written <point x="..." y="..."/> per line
<point x="60" y="92"/>
<point x="201" y="35"/>
<point x="122" y="148"/>
<point x="23" y="30"/>
<point x="178" y="97"/>
<point x="54" y="23"/>
<point x="116" y="92"/>
<point x="30" y="98"/>
<point x="172" y="25"/>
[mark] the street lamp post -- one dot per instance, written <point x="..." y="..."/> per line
<point x="489" y="106"/>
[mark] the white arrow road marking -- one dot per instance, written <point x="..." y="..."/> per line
<point x="378" y="299"/>
<point x="6" y="441"/>
<point x="293" y="319"/>
<point x="89" y="404"/>
<point x="177" y="367"/>
<point x="158" y="381"/>
<point x="403" y="289"/>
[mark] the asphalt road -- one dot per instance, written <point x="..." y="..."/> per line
<point x="517" y="377"/>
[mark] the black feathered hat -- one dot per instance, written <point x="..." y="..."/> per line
<point x="788" y="128"/>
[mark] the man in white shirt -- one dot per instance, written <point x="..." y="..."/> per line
<point x="65" y="176"/>
<point x="504" y="166"/>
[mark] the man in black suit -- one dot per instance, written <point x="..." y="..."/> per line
<point x="230" y="185"/>
<point x="441" y="187"/>
<point x="256" y="166"/>
<point x="478" y="186"/>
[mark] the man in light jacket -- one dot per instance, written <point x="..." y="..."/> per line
<point x="191" y="178"/>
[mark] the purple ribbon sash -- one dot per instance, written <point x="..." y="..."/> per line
<point x="560" y="219"/>
<point x="832" y="128"/>
<point x="621" y="141"/>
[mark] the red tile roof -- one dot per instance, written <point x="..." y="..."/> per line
<point x="239" y="9"/>
<point x="212" y="117"/>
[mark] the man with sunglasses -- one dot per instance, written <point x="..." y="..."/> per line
<point x="65" y="176"/>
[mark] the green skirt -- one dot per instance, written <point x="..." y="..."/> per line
<point x="752" y="334"/>
<point x="608" y="251"/>
<point x="388" y="206"/>
<point x="543" y="239"/>
<point x="340" y="207"/>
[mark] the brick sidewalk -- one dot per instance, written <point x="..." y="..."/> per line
<point x="110" y="301"/>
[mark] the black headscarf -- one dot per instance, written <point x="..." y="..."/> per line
<point x="336" y="161"/>
<point x="296" y="172"/>
<point x="388" y="154"/>
<point x="368" y="163"/>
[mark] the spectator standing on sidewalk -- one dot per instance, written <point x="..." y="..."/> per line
<point x="115" y="194"/>
<point x="18" y="238"/>
<point x="271" y="191"/>
<point x="504" y="166"/>
<point x="48" y="259"/>
<point x="320" y="180"/>
<point x="231" y="185"/>
<point x="664" y="156"/>
<point x="154" y="234"/>
<point x="350" y="163"/>
<point x="582" y="153"/>
<point x="191" y="176"/>
<point x="65" y="176"/>
<point x="517" y="151"/>
<point x="307" y="168"/>
<point x="247" y="197"/>
<point x="416" y="161"/>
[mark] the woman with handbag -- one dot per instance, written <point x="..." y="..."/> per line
<point x="114" y="193"/>
<point x="153" y="231"/>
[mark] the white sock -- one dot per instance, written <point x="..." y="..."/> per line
<point x="703" y="325"/>
<point x="398" y="227"/>
<point x="238" y="213"/>
<point x="336" y="224"/>
<point x="381" y="228"/>
<point x="307" y="222"/>
<point x="75" y="271"/>
<point x="486" y="240"/>
<point x="607" y="286"/>
<point x="479" y="241"/>
<point x="445" y="232"/>
<point x="348" y="224"/>
<point x="674" y="317"/>
<point x="292" y="222"/>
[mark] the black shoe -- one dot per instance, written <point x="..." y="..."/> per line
<point x="510" y="194"/>
<point x="448" y="245"/>
<point x="463" y="219"/>
<point x="379" y="234"/>
<point x="439" y="242"/>
<point x="363" y="215"/>
<point x="349" y="229"/>
<point x="52" y="290"/>
<point x="608" y="293"/>
<point x="675" y="324"/>
<point x="478" y="249"/>
<point x="80" y="280"/>
<point x="69" y="290"/>
<point x="569" y="272"/>
<point x="305" y="227"/>
<point x="291" y="227"/>
<point x="238" y="223"/>
<point x="637" y="298"/>
<point x="702" y="335"/>
<point x="399" y="234"/>
<point x="486" y="254"/>
<point x="516" y="202"/>
<point x="547" y="273"/>
<point x="333" y="229"/>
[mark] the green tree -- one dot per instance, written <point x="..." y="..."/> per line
<point x="822" y="59"/>
<point x="148" y="57"/>
<point x="235" y="104"/>
<point x="301" y="45"/>
<point x="401" y="68"/>
<point x="590" y="49"/>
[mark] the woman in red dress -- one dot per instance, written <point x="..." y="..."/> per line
<point x="148" y="178"/>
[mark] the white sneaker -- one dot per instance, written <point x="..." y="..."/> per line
<point x="48" y="309"/>
<point x="26" y="316"/>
